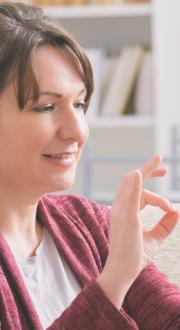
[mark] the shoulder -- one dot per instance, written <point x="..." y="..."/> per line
<point x="77" y="219"/>
<point x="78" y="208"/>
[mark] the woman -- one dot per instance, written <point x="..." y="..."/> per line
<point x="62" y="265"/>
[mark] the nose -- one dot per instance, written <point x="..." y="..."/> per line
<point x="73" y="125"/>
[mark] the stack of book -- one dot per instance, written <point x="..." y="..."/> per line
<point x="123" y="83"/>
<point x="84" y="2"/>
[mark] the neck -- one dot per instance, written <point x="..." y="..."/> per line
<point x="19" y="224"/>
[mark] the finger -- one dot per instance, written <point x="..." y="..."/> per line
<point x="160" y="171"/>
<point x="165" y="226"/>
<point x="149" y="198"/>
<point x="127" y="199"/>
<point x="148" y="168"/>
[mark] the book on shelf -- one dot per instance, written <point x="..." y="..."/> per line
<point x="121" y="84"/>
<point x="75" y="2"/>
<point x="108" y="70"/>
<point x="137" y="1"/>
<point x="104" y="2"/>
<point x="97" y="59"/>
<point x="59" y="2"/>
<point x="84" y="2"/>
<point x="49" y="2"/>
<point x="144" y="95"/>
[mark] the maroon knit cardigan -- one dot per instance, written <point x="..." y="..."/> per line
<point x="79" y="228"/>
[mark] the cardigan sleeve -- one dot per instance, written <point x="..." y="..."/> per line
<point x="92" y="310"/>
<point x="153" y="302"/>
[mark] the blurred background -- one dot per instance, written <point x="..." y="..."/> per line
<point x="134" y="48"/>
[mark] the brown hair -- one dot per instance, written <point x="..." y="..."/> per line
<point x="22" y="29"/>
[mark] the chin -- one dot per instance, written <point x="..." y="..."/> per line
<point x="61" y="187"/>
<point x="64" y="184"/>
<point x="60" y="181"/>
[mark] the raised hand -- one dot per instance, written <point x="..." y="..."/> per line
<point x="130" y="248"/>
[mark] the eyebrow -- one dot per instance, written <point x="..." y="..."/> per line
<point x="59" y="95"/>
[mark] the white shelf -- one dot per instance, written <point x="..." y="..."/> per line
<point x="93" y="11"/>
<point x="124" y="121"/>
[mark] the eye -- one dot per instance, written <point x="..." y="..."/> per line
<point x="45" y="108"/>
<point x="80" y="106"/>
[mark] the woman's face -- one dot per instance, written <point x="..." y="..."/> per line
<point x="40" y="146"/>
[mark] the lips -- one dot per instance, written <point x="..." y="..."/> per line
<point x="59" y="156"/>
<point x="65" y="159"/>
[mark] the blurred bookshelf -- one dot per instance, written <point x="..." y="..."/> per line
<point x="68" y="3"/>
<point x="146" y="33"/>
<point x="122" y="122"/>
<point x="82" y="11"/>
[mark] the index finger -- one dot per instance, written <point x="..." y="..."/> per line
<point x="148" y="168"/>
<point x="127" y="198"/>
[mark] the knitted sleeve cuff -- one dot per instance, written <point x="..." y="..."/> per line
<point x="92" y="309"/>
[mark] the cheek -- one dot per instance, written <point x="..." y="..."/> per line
<point x="85" y="130"/>
<point x="38" y="135"/>
<point x="86" y="133"/>
<point x="83" y="140"/>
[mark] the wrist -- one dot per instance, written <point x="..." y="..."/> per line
<point x="112" y="287"/>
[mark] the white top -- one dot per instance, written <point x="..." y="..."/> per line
<point x="49" y="281"/>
